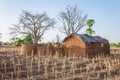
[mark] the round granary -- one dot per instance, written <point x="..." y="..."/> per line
<point x="28" y="49"/>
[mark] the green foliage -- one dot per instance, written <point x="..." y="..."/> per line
<point x="90" y="22"/>
<point x="27" y="39"/>
<point x="118" y="45"/>
<point x="19" y="41"/>
<point x="6" y="43"/>
<point x="115" y="44"/>
<point x="61" y="46"/>
<point x="89" y="30"/>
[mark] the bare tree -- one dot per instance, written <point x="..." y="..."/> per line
<point x="72" y="20"/>
<point x="0" y="35"/>
<point x="34" y="24"/>
<point x="57" y="38"/>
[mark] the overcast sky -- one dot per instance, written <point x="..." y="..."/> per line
<point x="106" y="14"/>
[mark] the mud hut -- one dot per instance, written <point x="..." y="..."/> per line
<point x="42" y="49"/>
<point x="28" y="49"/>
<point x="83" y="45"/>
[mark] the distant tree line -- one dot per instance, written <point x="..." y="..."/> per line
<point x="115" y="44"/>
<point x="18" y="41"/>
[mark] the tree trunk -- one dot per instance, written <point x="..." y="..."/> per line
<point x="35" y="41"/>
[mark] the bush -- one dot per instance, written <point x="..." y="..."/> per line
<point x="115" y="44"/>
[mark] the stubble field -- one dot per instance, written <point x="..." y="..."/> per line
<point x="44" y="67"/>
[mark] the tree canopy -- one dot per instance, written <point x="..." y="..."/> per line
<point x="90" y="22"/>
<point x="72" y="20"/>
<point x="33" y="24"/>
<point x="27" y="39"/>
<point x="89" y="30"/>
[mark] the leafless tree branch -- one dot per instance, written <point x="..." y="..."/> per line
<point x="72" y="20"/>
<point x="34" y="24"/>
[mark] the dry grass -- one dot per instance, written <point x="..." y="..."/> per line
<point x="115" y="50"/>
<point x="43" y="67"/>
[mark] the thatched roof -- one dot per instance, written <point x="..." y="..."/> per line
<point x="90" y="39"/>
<point x="87" y="38"/>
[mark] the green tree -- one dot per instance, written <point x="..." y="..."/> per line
<point x="113" y="44"/>
<point x="89" y="30"/>
<point x="28" y="39"/>
<point x="18" y="42"/>
<point x="90" y="22"/>
<point x="118" y="44"/>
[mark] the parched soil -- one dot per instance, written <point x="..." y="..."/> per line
<point x="39" y="67"/>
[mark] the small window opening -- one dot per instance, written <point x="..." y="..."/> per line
<point x="102" y="44"/>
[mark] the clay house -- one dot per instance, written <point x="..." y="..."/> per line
<point x="83" y="45"/>
<point x="40" y="49"/>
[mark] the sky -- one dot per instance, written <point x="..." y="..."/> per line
<point x="106" y="14"/>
